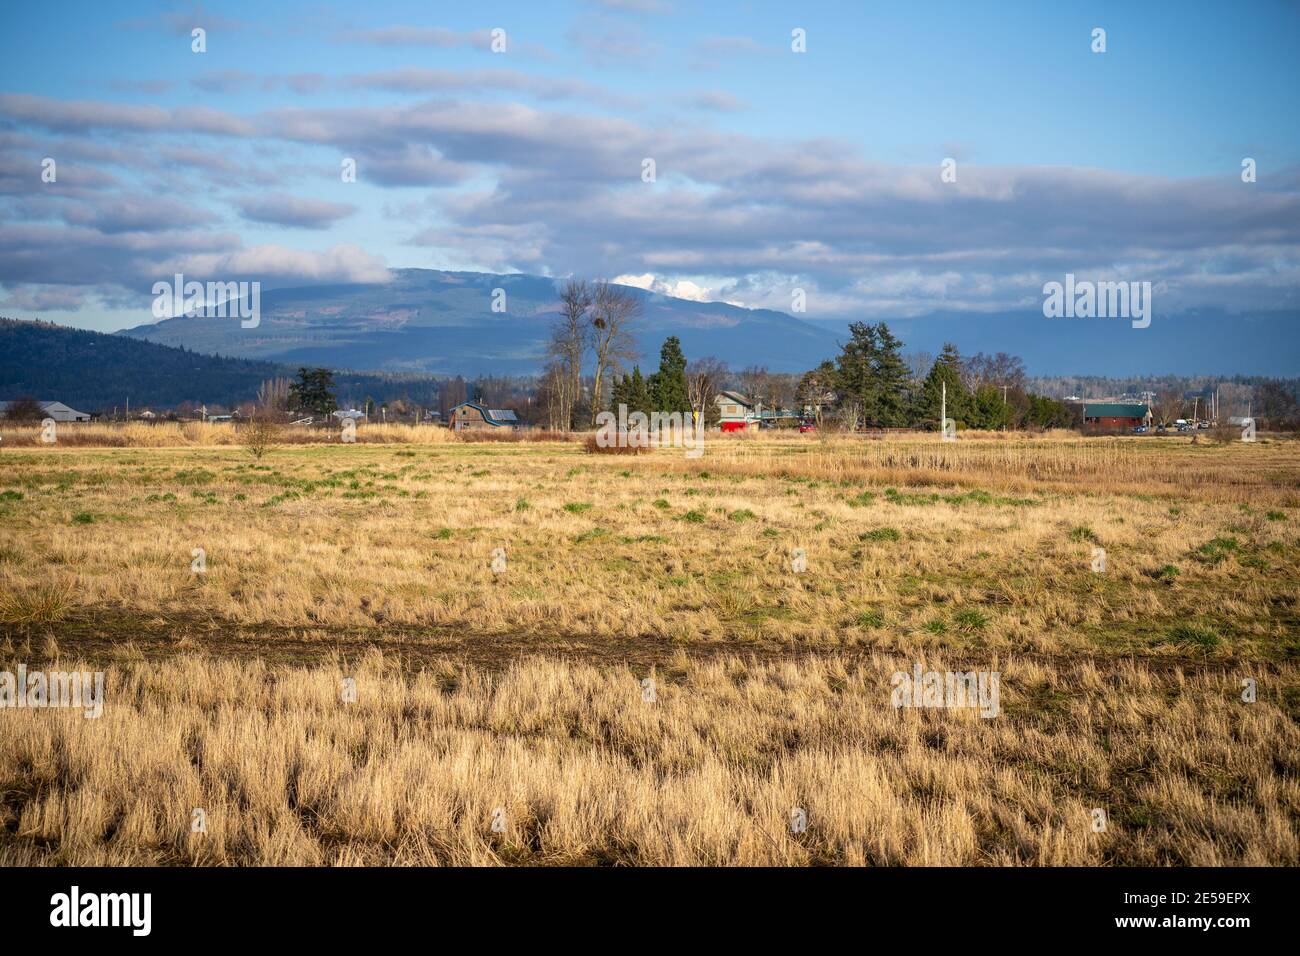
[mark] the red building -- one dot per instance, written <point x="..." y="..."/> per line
<point x="1116" y="414"/>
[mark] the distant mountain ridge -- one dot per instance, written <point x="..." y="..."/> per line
<point x="442" y="323"/>
<point x="92" y="371"/>
<point x="1186" y="344"/>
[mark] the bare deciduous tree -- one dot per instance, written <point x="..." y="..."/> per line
<point x="24" y="410"/>
<point x="552" y="395"/>
<point x="703" y="379"/>
<point x="614" y="312"/>
<point x="816" y="391"/>
<point x="755" y="383"/>
<point x="1168" y="407"/>
<point x="781" y="390"/>
<point x="568" y="342"/>
<point x="273" y="396"/>
<point x="1001" y="369"/>
<point x="260" y="432"/>
<point x="919" y="364"/>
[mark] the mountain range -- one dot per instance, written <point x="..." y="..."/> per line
<point x="443" y="323"/>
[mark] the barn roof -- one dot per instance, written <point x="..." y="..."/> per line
<point x="1114" y="410"/>
<point x="493" y="416"/>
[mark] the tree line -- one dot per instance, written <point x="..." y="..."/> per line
<point x="872" y="384"/>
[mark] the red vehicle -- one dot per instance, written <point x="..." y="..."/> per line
<point x="806" y="427"/>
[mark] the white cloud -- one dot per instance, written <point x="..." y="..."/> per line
<point x="716" y="291"/>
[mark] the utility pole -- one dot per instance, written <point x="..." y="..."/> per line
<point x="943" y="411"/>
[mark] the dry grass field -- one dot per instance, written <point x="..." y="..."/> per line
<point x="645" y="678"/>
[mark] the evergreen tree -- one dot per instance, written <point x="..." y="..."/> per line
<point x="630" y="390"/>
<point x="946" y="371"/>
<point x="870" y="372"/>
<point x="618" y="390"/>
<point x="314" y="391"/>
<point x="893" y="381"/>
<point x="638" y="392"/>
<point x="667" y="387"/>
<point x="855" y="370"/>
<point x="989" y="410"/>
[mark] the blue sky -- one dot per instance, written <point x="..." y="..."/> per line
<point x="775" y="170"/>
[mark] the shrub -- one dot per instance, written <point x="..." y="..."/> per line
<point x="260" y="434"/>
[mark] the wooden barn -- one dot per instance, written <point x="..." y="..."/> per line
<point x="470" y="416"/>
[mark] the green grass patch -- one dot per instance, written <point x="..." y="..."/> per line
<point x="1217" y="549"/>
<point x="1167" y="572"/>
<point x="1191" y="635"/>
<point x="970" y="620"/>
<point x="870" y="619"/>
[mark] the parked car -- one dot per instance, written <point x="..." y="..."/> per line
<point x="1140" y="430"/>
<point x="806" y="427"/>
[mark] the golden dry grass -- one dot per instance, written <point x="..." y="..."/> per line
<point x="579" y="768"/>
<point x="204" y="435"/>
<point x="394" y="542"/>
<point x="520" y="689"/>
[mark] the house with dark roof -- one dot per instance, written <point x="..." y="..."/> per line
<point x="1116" y="414"/>
<point x="470" y="416"/>
<point x="736" y="412"/>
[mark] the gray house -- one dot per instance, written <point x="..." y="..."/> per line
<point x="55" y="410"/>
